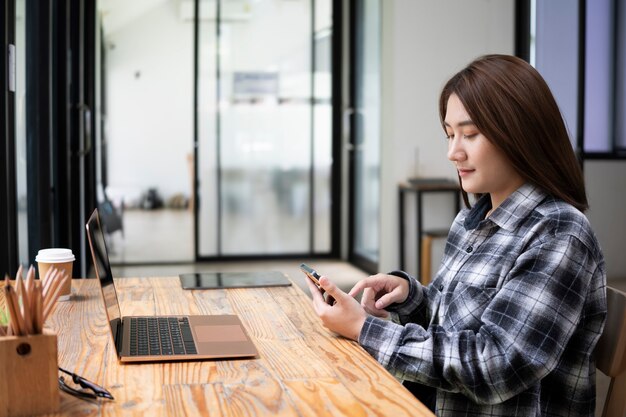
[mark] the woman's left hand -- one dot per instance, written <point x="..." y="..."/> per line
<point x="346" y="317"/>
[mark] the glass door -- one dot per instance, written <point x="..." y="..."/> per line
<point x="21" y="171"/>
<point x="9" y="251"/>
<point x="263" y="128"/>
<point x="366" y="142"/>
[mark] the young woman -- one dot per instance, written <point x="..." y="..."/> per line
<point x="509" y="324"/>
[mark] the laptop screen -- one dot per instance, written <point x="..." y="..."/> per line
<point x="103" y="269"/>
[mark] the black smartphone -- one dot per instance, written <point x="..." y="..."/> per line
<point x="315" y="277"/>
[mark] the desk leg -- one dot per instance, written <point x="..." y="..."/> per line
<point x="425" y="269"/>
<point x="401" y="230"/>
<point x="418" y="239"/>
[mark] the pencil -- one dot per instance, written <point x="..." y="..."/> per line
<point x="19" y="273"/>
<point x="30" y="279"/>
<point x="30" y="287"/>
<point x="16" y="307"/>
<point x="11" y="326"/>
<point x="16" y="318"/>
<point x="5" y="305"/>
<point x="24" y="309"/>
<point x="38" y="310"/>
<point x="18" y="279"/>
<point x="16" y="284"/>
<point x="3" y="300"/>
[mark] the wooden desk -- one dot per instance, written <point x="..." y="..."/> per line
<point x="303" y="369"/>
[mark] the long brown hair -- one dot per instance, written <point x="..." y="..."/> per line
<point x="512" y="106"/>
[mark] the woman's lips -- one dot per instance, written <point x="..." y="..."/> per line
<point x="464" y="172"/>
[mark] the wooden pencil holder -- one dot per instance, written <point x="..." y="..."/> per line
<point x="29" y="382"/>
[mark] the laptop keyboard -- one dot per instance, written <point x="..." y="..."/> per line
<point x="161" y="336"/>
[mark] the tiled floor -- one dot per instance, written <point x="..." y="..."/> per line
<point x="167" y="235"/>
<point x="153" y="236"/>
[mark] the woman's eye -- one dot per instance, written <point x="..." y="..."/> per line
<point x="470" y="136"/>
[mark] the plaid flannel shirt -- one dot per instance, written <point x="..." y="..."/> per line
<point x="509" y="324"/>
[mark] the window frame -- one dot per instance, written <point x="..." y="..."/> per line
<point x="522" y="49"/>
<point x="8" y="209"/>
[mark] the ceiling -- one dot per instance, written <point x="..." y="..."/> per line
<point x="117" y="14"/>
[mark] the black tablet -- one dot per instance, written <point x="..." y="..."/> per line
<point x="213" y="280"/>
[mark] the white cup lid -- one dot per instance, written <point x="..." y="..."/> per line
<point x="54" y="255"/>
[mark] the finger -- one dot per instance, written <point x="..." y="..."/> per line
<point x="387" y="299"/>
<point x="368" y="282"/>
<point x="368" y="302"/>
<point x="312" y="287"/>
<point x="358" y="287"/>
<point x="398" y="294"/>
<point x="368" y="299"/>
<point x="332" y="289"/>
<point x="316" y="294"/>
<point x="376" y="312"/>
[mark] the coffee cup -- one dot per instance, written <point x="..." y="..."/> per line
<point x="60" y="259"/>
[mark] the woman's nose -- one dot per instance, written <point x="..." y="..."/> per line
<point x="455" y="150"/>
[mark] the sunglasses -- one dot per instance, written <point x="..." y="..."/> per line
<point x="89" y="389"/>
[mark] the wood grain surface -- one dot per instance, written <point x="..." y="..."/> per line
<point x="302" y="369"/>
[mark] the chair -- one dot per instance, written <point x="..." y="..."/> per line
<point x="112" y="217"/>
<point x="426" y="247"/>
<point x="611" y="353"/>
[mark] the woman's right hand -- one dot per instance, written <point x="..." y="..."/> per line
<point x="379" y="291"/>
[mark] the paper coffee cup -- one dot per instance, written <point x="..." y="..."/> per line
<point x="60" y="259"/>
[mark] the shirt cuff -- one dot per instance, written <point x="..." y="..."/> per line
<point x="413" y="300"/>
<point x="379" y="338"/>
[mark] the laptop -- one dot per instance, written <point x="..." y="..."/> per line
<point x="163" y="338"/>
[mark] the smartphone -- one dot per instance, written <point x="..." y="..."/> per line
<point x="315" y="277"/>
<point x="312" y="274"/>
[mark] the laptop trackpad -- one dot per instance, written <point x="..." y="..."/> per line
<point x="217" y="333"/>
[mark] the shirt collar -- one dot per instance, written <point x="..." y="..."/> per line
<point x="513" y="209"/>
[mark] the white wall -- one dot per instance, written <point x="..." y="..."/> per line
<point x="150" y="103"/>
<point x="424" y="43"/>
<point x="606" y="191"/>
